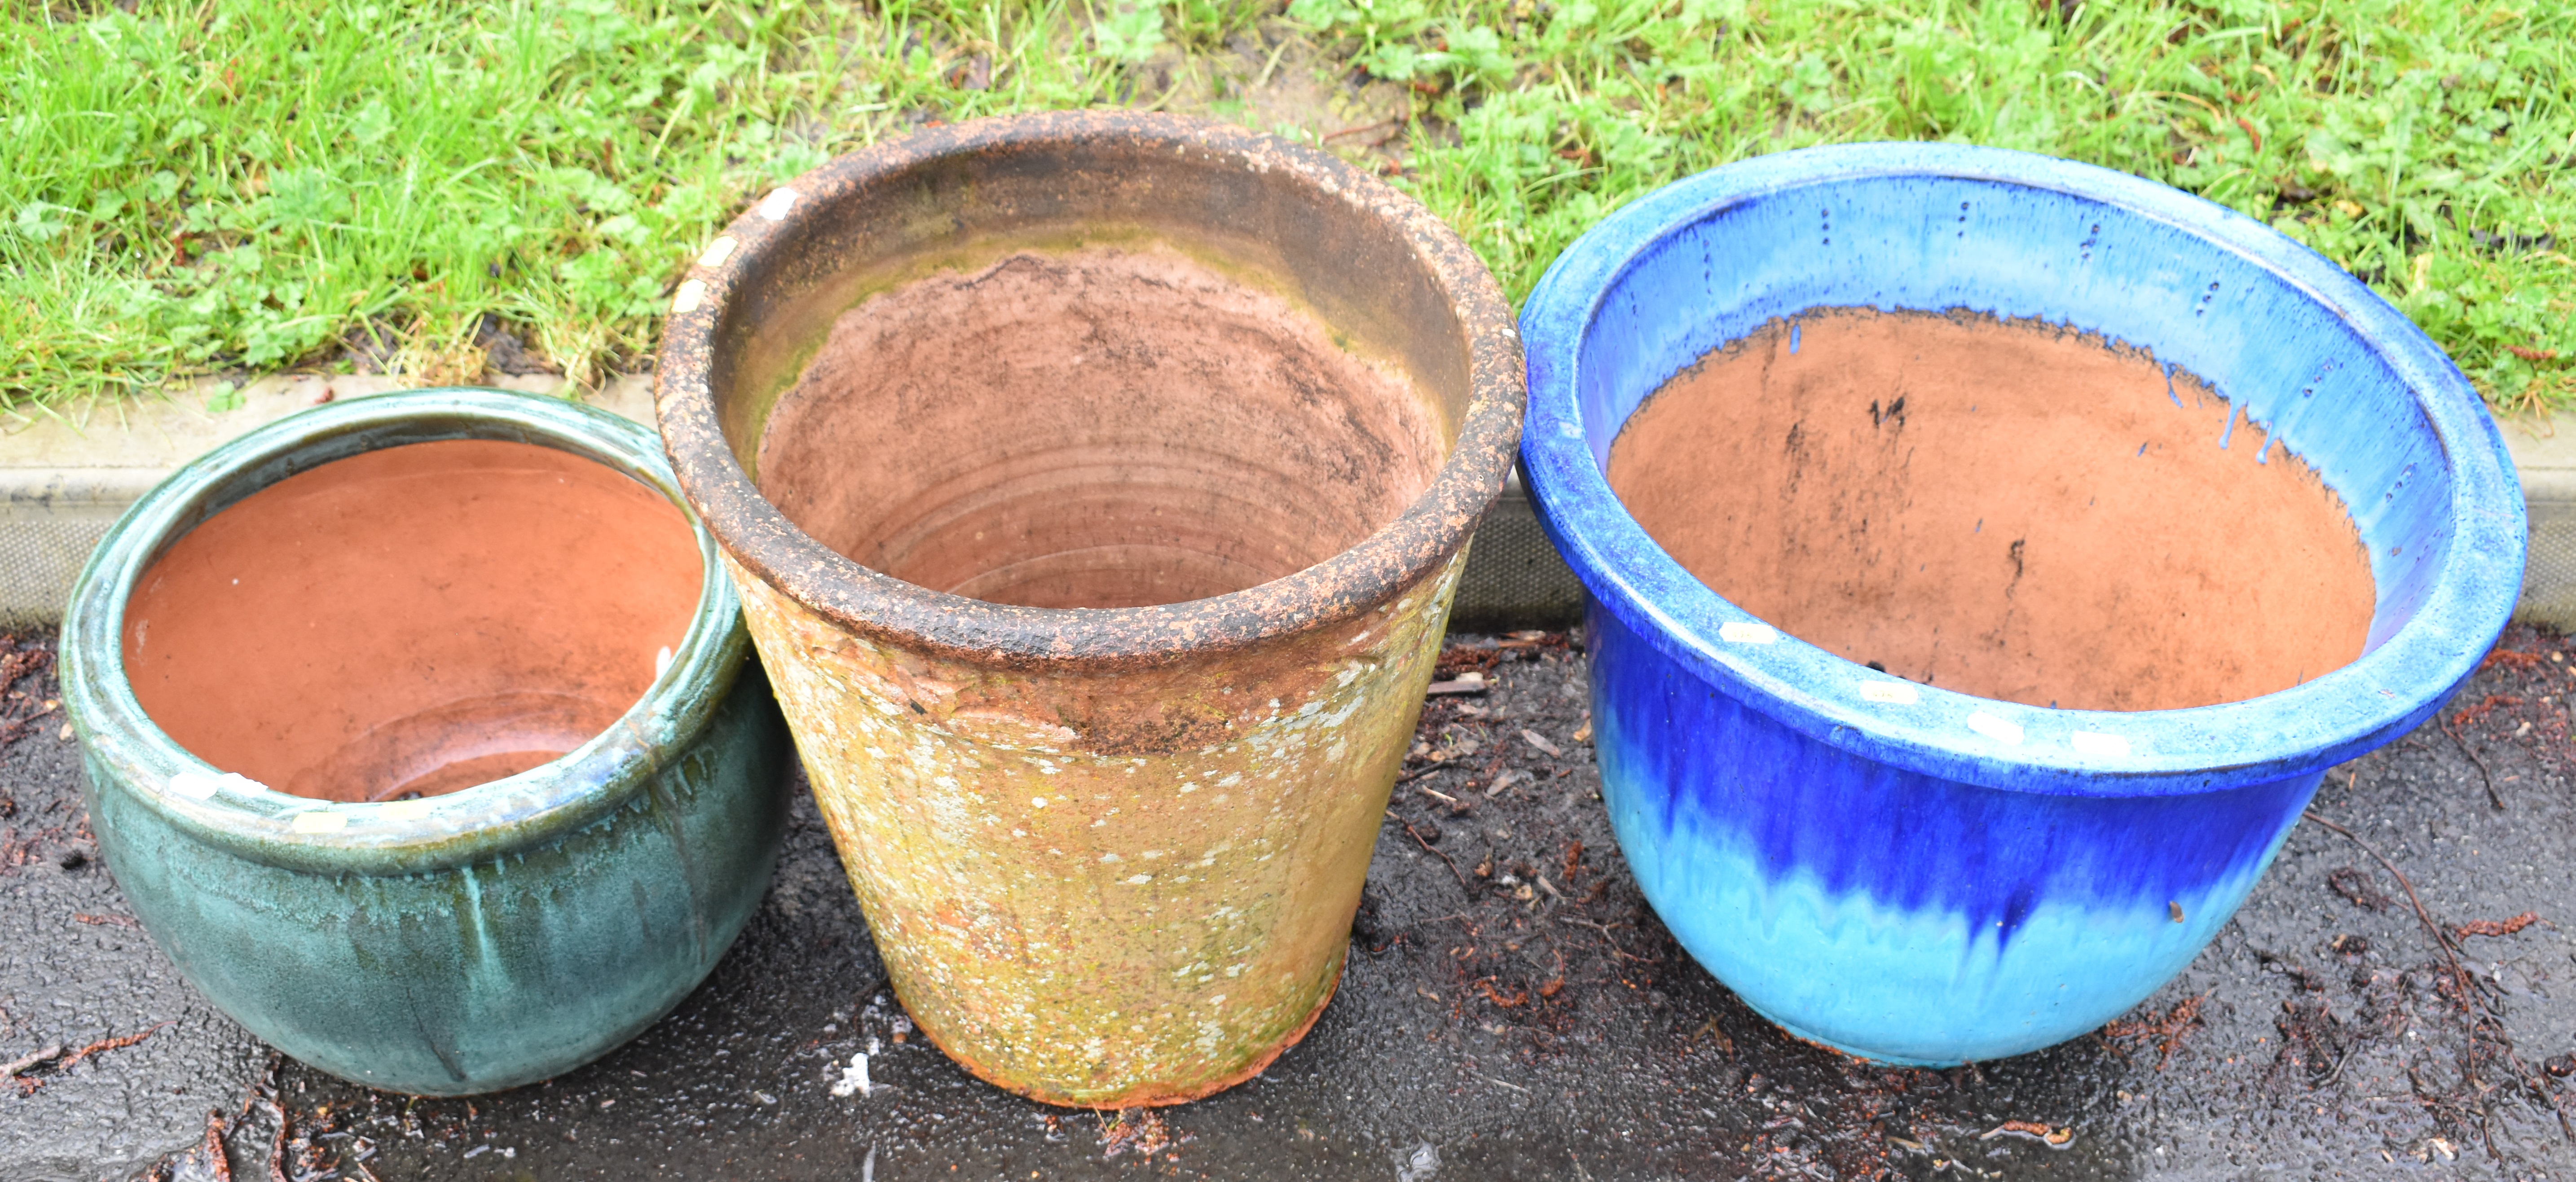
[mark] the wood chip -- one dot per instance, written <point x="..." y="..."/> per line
<point x="1540" y="741"/>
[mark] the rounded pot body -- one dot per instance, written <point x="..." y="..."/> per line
<point x="1110" y="854"/>
<point x="1920" y="876"/>
<point x="467" y="942"/>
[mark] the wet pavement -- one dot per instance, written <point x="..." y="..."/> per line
<point x="1511" y="1010"/>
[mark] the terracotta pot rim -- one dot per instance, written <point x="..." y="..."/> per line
<point x="459" y="828"/>
<point x="2396" y="683"/>
<point x="1367" y="574"/>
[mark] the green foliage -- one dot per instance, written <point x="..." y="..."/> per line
<point x="2430" y="149"/>
<point x="237" y="185"/>
<point x="213" y="185"/>
<point x="1130" y="35"/>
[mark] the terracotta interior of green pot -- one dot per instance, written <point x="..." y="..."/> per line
<point x="413" y="620"/>
<point x="1108" y="426"/>
<point x="2012" y="510"/>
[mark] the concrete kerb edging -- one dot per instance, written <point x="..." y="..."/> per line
<point x="64" y="480"/>
<point x="66" y="477"/>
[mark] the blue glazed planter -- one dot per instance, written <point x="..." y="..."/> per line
<point x="467" y="942"/>
<point x="1886" y="877"/>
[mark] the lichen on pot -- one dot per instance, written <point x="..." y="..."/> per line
<point x="1988" y="556"/>
<point x="1096" y="484"/>
<point x="424" y="735"/>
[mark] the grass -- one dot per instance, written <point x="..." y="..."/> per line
<point x="230" y="187"/>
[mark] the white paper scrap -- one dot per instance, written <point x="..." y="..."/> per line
<point x="1740" y="632"/>
<point x="854" y="1078"/>
<point x="1994" y="728"/>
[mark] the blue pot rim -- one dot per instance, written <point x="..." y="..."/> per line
<point x="2335" y="717"/>
<point x="465" y="827"/>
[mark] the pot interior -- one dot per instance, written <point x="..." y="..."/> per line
<point x="1105" y="427"/>
<point x="413" y="620"/>
<point x="2003" y="534"/>
<point x="2012" y="510"/>
<point x="1085" y="364"/>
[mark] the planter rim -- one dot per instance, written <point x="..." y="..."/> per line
<point x="880" y="606"/>
<point x="2336" y="716"/>
<point x="393" y="837"/>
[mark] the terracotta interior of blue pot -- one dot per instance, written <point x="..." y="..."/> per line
<point x="413" y="620"/>
<point x="2009" y="312"/>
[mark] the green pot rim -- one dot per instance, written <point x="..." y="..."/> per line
<point x="473" y="825"/>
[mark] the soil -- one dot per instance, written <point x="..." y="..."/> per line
<point x="1511" y="1010"/>
<point x="1103" y="427"/>
<point x="2007" y="509"/>
<point x="413" y="620"/>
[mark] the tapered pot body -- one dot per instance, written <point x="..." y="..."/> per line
<point x="485" y="934"/>
<point x="1107" y="761"/>
<point x="1921" y="876"/>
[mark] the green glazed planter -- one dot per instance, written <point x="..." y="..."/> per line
<point x="467" y="942"/>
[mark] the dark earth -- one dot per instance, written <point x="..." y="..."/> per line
<point x="1511" y="1010"/>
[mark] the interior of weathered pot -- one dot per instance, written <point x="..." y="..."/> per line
<point x="413" y="620"/>
<point x="2014" y="443"/>
<point x="1107" y="376"/>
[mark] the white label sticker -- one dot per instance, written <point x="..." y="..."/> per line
<point x="320" y="822"/>
<point x="1994" y="728"/>
<point x="775" y="206"/>
<point x="1740" y="632"/>
<point x="2096" y="743"/>
<point x="1896" y="692"/>
<point x="687" y="299"/>
<point x="718" y="251"/>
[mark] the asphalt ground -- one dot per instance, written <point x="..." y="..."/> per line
<point x="1511" y="1010"/>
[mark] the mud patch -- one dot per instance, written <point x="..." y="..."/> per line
<point x="414" y="620"/>
<point x="1099" y="428"/>
<point x="2009" y="510"/>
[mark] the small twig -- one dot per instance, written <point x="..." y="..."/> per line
<point x="1444" y="860"/>
<point x="1330" y="136"/>
<point x="109" y="1044"/>
<point x="2330" y="1076"/>
<point x="1424" y="770"/>
<point x="2031" y="1130"/>
<point x="2468" y="985"/>
<point x="2485" y="776"/>
<point x="31" y="1059"/>
<point x="277" y="1145"/>
<point x="1606" y="937"/>
<point x="218" y="1158"/>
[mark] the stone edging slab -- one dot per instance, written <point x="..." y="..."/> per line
<point x="64" y="479"/>
<point x="2545" y="458"/>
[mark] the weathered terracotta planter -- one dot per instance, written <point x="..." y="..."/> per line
<point x="1096" y="485"/>
<point x="424" y="736"/>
